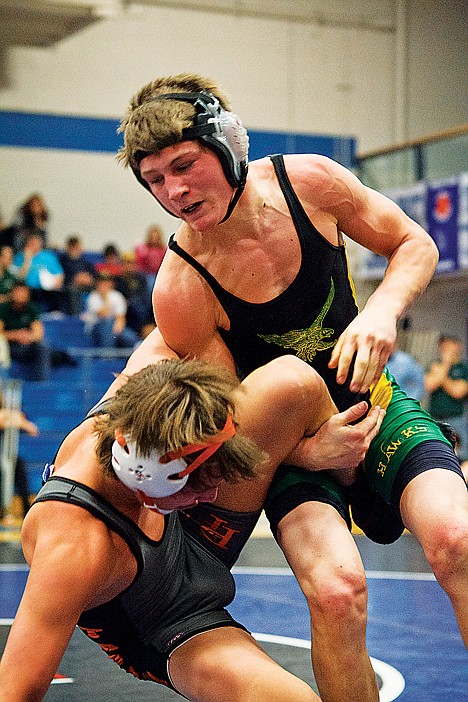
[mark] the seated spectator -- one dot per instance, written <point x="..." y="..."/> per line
<point x="21" y="325"/>
<point x="7" y="278"/>
<point x="32" y="215"/>
<point x="106" y="310"/>
<point x="134" y="287"/>
<point x="41" y="270"/>
<point x="80" y="276"/>
<point x="17" y="418"/>
<point x="150" y="254"/>
<point x="112" y="263"/>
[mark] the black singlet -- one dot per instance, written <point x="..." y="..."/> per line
<point x="180" y="590"/>
<point x="306" y="319"/>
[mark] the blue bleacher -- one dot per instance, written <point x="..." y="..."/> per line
<point x="63" y="332"/>
<point x="54" y="397"/>
<point x="69" y="333"/>
<point x="58" y="405"/>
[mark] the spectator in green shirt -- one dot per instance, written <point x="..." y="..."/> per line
<point x="21" y="325"/>
<point x="7" y="279"/>
<point x="447" y="385"/>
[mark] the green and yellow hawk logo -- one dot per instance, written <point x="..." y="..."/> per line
<point x="306" y="342"/>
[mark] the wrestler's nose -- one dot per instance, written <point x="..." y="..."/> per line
<point x="176" y="188"/>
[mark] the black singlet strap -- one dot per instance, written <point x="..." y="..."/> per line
<point x="212" y="282"/>
<point x="298" y="213"/>
<point x="100" y="408"/>
<point x="62" y="489"/>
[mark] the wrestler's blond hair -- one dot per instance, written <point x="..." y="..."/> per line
<point x="149" y="126"/>
<point x="171" y="404"/>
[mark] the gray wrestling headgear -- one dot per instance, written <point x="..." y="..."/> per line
<point x="220" y="130"/>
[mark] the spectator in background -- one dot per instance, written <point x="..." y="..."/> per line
<point x="447" y="384"/>
<point x="79" y="276"/>
<point x="112" y="263"/>
<point x="408" y="373"/>
<point x="106" y="310"/>
<point x="41" y="270"/>
<point x="7" y="279"/>
<point x="17" y="418"/>
<point x="150" y="254"/>
<point x="21" y="325"/>
<point x="32" y="215"/>
<point x="134" y="287"/>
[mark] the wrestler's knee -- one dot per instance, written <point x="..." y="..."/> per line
<point x="197" y="668"/>
<point x="227" y="674"/>
<point x="297" y="378"/>
<point x="447" y="551"/>
<point x="338" y="596"/>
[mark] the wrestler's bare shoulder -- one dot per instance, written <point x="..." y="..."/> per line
<point x="297" y="165"/>
<point x="310" y="174"/>
<point x="78" y="445"/>
<point x="174" y="275"/>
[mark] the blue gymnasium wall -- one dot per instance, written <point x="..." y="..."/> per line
<point x="52" y="131"/>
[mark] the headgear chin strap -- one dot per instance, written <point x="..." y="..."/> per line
<point x="220" y="130"/>
<point x="159" y="475"/>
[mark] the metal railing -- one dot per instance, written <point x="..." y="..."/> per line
<point x="438" y="155"/>
<point x="11" y="391"/>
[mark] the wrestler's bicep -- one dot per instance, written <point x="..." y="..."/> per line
<point x="188" y="321"/>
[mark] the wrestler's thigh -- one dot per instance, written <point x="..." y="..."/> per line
<point x="405" y="426"/>
<point x="228" y="665"/>
<point x="318" y="546"/>
<point x="432" y="501"/>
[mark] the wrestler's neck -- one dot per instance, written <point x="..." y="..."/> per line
<point x="246" y="220"/>
<point x="88" y="471"/>
<point x="151" y="522"/>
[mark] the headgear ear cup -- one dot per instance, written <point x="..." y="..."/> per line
<point x="232" y="144"/>
<point x="147" y="474"/>
<point x="219" y="129"/>
<point x="222" y="131"/>
<point x="161" y="475"/>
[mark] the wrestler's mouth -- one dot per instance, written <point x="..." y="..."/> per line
<point x="190" y="209"/>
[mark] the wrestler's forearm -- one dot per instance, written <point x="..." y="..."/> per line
<point x="341" y="442"/>
<point x="409" y="271"/>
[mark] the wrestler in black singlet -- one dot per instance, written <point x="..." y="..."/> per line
<point x="183" y="582"/>
<point x="180" y="590"/>
<point x="306" y="320"/>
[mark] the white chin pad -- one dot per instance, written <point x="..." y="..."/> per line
<point x="147" y="474"/>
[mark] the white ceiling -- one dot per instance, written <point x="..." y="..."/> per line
<point x="45" y="22"/>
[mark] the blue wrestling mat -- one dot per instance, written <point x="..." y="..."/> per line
<point x="416" y="649"/>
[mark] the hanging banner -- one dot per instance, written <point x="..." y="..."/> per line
<point x="463" y="222"/>
<point x="442" y="209"/>
<point x="412" y="200"/>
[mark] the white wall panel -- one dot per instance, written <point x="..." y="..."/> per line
<point x="88" y="194"/>
<point x="281" y="76"/>
<point x="261" y="62"/>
